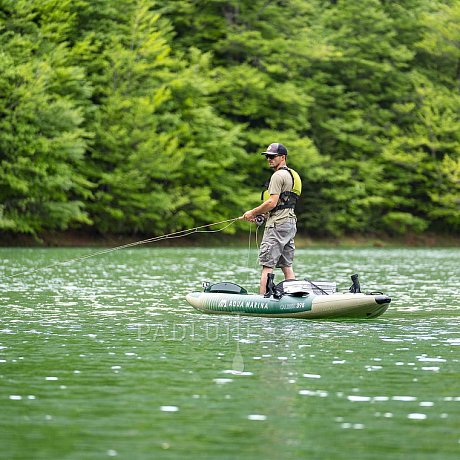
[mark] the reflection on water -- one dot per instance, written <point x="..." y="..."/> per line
<point x="106" y="356"/>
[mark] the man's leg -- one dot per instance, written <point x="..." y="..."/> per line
<point x="288" y="273"/>
<point x="263" y="279"/>
<point x="287" y="256"/>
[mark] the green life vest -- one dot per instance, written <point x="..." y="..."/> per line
<point x="287" y="199"/>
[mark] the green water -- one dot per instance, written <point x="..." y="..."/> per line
<point x="104" y="358"/>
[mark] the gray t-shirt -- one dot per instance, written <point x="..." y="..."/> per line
<point x="281" y="181"/>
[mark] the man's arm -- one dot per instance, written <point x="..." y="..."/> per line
<point x="266" y="206"/>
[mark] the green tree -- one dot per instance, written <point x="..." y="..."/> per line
<point x="159" y="147"/>
<point x="42" y="141"/>
<point x="142" y="116"/>
<point x="423" y="158"/>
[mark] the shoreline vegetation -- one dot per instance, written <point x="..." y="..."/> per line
<point x="135" y="117"/>
<point x="68" y="239"/>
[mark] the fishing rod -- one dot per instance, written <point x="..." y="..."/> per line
<point x="178" y="234"/>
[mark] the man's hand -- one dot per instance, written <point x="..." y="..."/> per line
<point x="249" y="216"/>
<point x="265" y="207"/>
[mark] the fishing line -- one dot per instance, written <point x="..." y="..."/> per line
<point x="178" y="234"/>
<point x="256" y="262"/>
<point x="249" y="254"/>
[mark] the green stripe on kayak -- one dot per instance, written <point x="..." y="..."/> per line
<point x="257" y="304"/>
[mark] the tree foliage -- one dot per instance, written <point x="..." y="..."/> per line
<point x="42" y="139"/>
<point x="141" y="116"/>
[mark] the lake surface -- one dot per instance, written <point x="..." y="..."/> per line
<point x="104" y="358"/>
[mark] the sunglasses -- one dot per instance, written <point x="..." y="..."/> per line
<point x="271" y="157"/>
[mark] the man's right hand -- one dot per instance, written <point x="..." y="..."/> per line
<point x="249" y="216"/>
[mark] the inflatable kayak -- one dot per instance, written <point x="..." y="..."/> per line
<point x="291" y="299"/>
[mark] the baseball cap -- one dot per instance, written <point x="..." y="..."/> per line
<point x="275" y="149"/>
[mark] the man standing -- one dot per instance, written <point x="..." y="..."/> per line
<point x="277" y="247"/>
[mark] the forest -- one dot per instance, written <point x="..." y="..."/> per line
<point x="141" y="117"/>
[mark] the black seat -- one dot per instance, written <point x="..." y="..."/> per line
<point x="225" y="287"/>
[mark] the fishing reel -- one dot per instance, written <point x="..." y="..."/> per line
<point x="259" y="220"/>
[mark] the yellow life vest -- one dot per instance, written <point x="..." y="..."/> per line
<point x="286" y="199"/>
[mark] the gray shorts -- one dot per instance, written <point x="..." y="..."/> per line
<point x="277" y="246"/>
